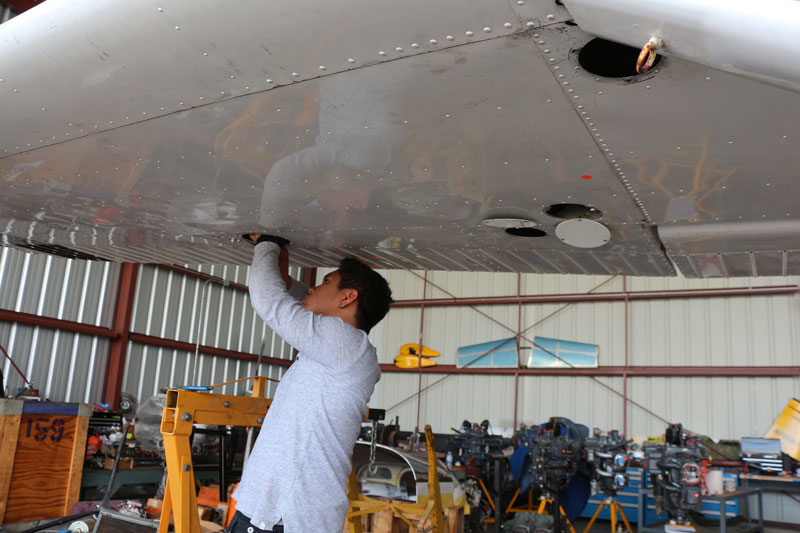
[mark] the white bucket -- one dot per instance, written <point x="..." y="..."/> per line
<point x="714" y="481"/>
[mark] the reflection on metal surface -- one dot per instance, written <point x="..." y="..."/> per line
<point x="351" y="164"/>
<point x="509" y="223"/>
<point x="689" y="177"/>
<point x="387" y="138"/>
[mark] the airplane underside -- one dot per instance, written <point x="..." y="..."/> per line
<point x="477" y="136"/>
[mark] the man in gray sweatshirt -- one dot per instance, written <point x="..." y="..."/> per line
<point x="297" y="471"/>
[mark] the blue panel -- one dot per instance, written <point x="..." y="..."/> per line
<point x="629" y="500"/>
<point x="557" y="353"/>
<point x="50" y="408"/>
<point x="494" y="354"/>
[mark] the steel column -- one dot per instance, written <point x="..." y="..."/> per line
<point x="625" y="374"/>
<point x="419" y="350"/>
<point x="121" y="330"/>
<point x="519" y="363"/>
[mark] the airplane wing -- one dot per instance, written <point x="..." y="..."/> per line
<point x="505" y="135"/>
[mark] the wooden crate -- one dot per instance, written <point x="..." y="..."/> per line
<point x="386" y="522"/>
<point x="42" y="446"/>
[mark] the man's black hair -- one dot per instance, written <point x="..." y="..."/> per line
<point x="374" y="294"/>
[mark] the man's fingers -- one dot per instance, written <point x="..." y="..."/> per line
<point x="256" y="238"/>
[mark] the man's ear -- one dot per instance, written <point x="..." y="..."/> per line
<point x="350" y="297"/>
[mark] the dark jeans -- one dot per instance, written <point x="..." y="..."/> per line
<point x="241" y="524"/>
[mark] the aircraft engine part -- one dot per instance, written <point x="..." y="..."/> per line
<point x="529" y="523"/>
<point x="401" y="475"/>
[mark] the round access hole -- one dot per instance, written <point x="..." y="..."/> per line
<point x="525" y="232"/>
<point x="609" y="59"/>
<point x="568" y="211"/>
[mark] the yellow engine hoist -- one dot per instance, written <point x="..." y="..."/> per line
<point x="185" y="408"/>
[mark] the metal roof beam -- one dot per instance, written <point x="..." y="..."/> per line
<point x="601" y="297"/>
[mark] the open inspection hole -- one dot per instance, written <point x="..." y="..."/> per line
<point x="569" y="211"/>
<point x="525" y="232"/>
<point x="610" y="60"/>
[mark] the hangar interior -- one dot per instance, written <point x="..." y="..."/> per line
<point x="594" y="266"/>
<point x="717" y="356"/>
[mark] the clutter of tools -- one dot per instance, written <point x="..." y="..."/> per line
<point x="558" y="467"/>
<point x="539" y="479"/>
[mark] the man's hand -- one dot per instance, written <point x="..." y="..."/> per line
<point x="256" y="238"/>
<point x="283" y="256"/>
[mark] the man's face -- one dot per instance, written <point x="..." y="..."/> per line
<point x="324" y="298"/>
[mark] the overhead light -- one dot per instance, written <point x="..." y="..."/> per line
<point x="509" y="223"/>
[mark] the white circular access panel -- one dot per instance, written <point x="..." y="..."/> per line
<point x="583" y="233"/>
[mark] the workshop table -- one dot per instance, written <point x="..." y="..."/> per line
<point x="770" y="483"/>
<point x="739" y="494"/>
<point x="723" y="498"/>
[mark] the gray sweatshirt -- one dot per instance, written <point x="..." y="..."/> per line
<point x="299" y="465"/>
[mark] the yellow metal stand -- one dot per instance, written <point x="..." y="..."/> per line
<point x="510" y="509"/>
<point x="490" y="519"/>
<point x="615" y="507"/>
<point x="183" y="409"/>
<point x="527" y="509"/>
<point x="430" y="513"/>
<point x="543" y="510"/>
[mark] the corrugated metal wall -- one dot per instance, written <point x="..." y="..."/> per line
<point x="733" y="331"/>
<point x="67" y="366"/>
<point x="149" y="369"/>
<point x="63" y="366"/>
<point x="739" y="331"/>
<point x="174" y="306"/>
